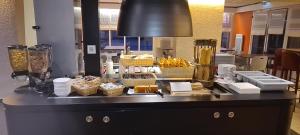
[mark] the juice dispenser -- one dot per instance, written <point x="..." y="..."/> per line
<point x="204" y="58"/>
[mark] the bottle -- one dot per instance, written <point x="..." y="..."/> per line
<point x="110" y="66"/>
<point x="127" y="50"/>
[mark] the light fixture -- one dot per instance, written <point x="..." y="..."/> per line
<point x="155" y="18"/>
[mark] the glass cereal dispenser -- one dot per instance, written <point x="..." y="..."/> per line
<point x="18" y="60"/>
<point x="39" y="58"/>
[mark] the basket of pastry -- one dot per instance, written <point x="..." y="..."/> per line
<point x="176" y="68"/>
<point x="137" y="60"/>
<point x="138" y="79"/>
<point x="86" y="86"/>
<point x="112" y="89"/>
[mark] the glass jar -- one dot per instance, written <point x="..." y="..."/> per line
<point x="18" y="58"/>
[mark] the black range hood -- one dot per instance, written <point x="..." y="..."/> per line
<point x="155" y="18"/>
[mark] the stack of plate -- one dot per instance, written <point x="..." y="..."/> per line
<point x="62" y="86"/>
<point x="244" y="88"/>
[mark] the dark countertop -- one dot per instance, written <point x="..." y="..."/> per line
<point x="31" y="99"/>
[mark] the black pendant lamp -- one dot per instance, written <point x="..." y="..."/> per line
<point x="155" y="18"/>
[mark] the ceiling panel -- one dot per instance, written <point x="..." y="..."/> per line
<point x="228" y="3"/>
<point x="113" y="1"/>
<point x="239" y="3"/>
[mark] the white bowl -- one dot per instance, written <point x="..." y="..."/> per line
<point x="62" y="92"/>
<point x="62" y="87"/>
<point x="61" y="80"/>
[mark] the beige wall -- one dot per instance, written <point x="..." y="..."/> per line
<point x="8" y="36"/>
<point x="207" y="24"/>
<point x="163" y="43"/>
<point x="20" y="24"/>
<point x="30" y="34"/>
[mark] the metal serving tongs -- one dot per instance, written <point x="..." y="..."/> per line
<point x="148" y="90"/>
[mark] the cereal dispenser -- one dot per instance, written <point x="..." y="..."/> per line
<point x="40" y="59"/>
<point x="18" y="60"/>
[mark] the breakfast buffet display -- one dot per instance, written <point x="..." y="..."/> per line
<point x="175" y="68"/>
<point x="176" y="75"/>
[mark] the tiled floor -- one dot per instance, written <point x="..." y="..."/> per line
<point x="296" y="120"/>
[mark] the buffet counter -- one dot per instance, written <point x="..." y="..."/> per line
<point x="268" y="113"/>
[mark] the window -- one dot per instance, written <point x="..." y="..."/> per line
<point x="146" y="44"/>
<point x="274" y="42"/>
<point x="225" y="40"/>
<point x="227" y="20"/>
<point x="104" y="38"/>
<point x="109" y="36"/>
<point x="133" y="42"/>
<point x="258" y="42"/>
<point x="116" y="40"/>
<point x="293" y="42"/>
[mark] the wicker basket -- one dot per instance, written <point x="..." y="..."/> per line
<point x="135" y="82"/>
<point x="84" y="87"/>
<point x="113" y="92"/>
<point x="132" y="60"/>
<point x="177" y="72"/>
<point x="86" y="91"/>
